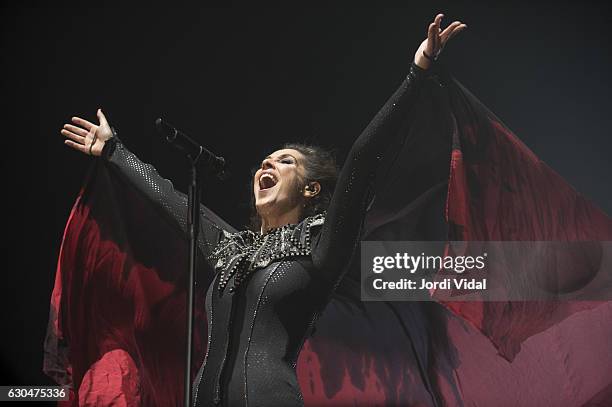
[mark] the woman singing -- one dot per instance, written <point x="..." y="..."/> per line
<point x="271" y="284"/>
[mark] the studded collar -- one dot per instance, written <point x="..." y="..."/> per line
<point x="239" y="254"/>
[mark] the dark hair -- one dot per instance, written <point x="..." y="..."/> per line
<point x="320" y="165"/>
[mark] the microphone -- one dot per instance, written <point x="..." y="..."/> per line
<point x="190" y="147"/>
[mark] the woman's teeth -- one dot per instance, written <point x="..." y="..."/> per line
<point x="266" y="181"/>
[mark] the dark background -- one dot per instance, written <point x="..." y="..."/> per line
<point x="242" y="81"/>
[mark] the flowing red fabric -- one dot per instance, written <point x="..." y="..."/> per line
<point x="116" y="328"/>
<point x="500" y="191"/>
<point x="117" y="320"/>
<point x="552" y="352"/>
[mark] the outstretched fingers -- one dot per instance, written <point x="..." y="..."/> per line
<point x="437" y="23"/>
<point x="77" y="146"/>
<point x="77" y="136"/>
<point x="83" y="123"/>
<point x="447" y="31"/>
<point x="452" y="30"/>
<point x="76" y="130"/>
<point x="432" y="38"/>
<point x="73" y="136"/>
<point x="438" y="19"/>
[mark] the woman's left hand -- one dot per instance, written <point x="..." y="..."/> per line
<point x="436" y="40"/>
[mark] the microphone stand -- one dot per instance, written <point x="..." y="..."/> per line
<point x="198" y="157"/>
<point x="193" y="224"/>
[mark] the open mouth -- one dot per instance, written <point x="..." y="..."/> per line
<point x="267" y="181"/>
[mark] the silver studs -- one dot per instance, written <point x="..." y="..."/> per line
<point x="247" y="251"/>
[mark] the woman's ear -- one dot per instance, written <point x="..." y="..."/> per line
<point x="311" y="189"/>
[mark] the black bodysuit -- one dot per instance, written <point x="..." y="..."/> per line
<point x="255" y="332"/>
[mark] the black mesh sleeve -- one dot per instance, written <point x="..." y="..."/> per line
<point x="340" y="234"/>
<point x="145" y="178"/>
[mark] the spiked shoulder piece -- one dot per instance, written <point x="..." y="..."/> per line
<point x="239" y="254"/>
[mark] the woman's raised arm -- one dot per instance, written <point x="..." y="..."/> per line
<point x="99" y="140"/>
<point x="341" y="231"/>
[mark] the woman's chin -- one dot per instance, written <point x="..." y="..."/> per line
<point x="264" y="202"/>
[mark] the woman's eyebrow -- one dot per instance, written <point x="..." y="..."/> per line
<point x="282" y="156"/>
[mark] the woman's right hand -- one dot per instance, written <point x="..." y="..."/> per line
<point x="87" y="137"/>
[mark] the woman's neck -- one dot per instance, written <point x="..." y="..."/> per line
<point x="287" y="218"/>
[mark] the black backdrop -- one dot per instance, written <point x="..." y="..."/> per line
<point x="242" y="81"/>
